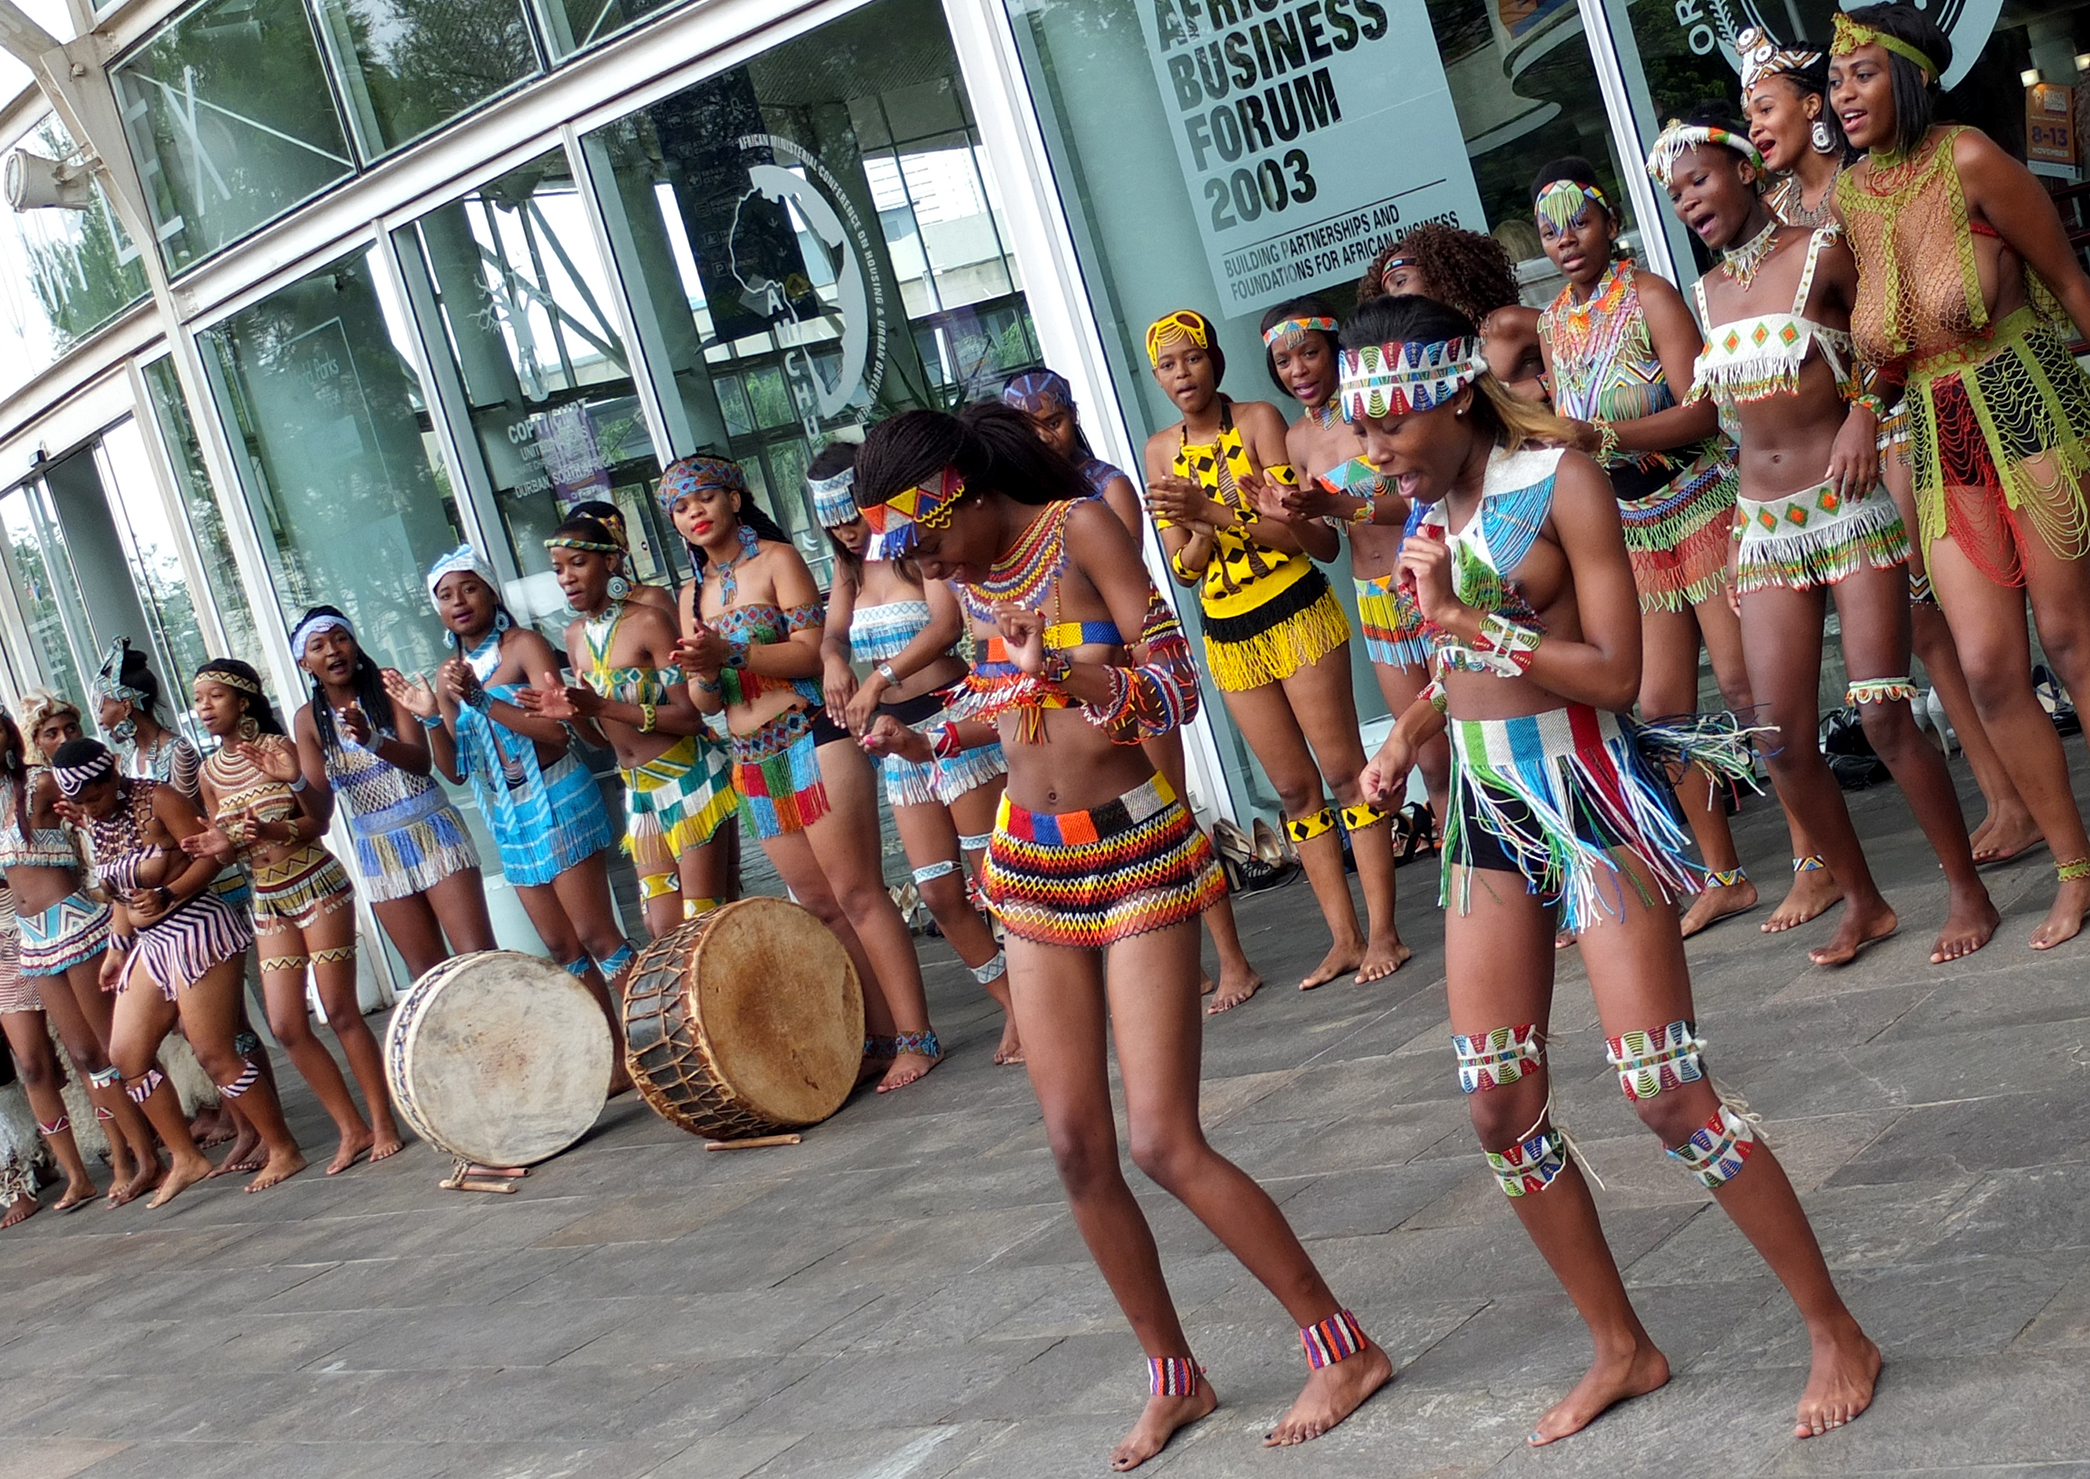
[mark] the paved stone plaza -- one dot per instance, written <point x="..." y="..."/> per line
<point x="904" y="1297"/>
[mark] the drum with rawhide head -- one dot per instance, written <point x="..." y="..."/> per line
<point x="498" y="1058"/>
<point x="746" y="1021"/>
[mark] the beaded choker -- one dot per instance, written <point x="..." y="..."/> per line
<point x="1022" y="571"/>
<point x="1744" y="261"/>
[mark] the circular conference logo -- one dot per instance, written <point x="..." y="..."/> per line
<point x="1967" y="22"/>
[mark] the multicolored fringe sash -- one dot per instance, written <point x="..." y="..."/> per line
<point x="677" y="800"/>
<point x="1816" y="537"/>
<point x="1677" y="536"/>
<point x="544" y="820"/>
<point x="777" y="772"/>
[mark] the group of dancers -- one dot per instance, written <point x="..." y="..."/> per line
<point x="1551" y="513"/>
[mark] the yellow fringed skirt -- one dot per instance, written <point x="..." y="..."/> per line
<point x="1294" y="629"/>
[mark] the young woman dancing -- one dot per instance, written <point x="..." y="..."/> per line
<point x="35" y="1062"/>
<point x="1099" y="875"/>
<point x="1045" y="397"/>
<point x="1619" y="346"/>
<point x="539" y="801"/>
<point x="881" y="612"/>
<point x="63" y="935"/>
<point x="127" y="707"/>
<point x="752" y="626"/>
<point x="357" y="743"/>
<point x="1785" y="101"/>
<point x="678" y="790"/>
<point x="1778" y="359"/>
<point x="1339" y="486"/>
<point x="303" y="904"/>
<point x="637" y="591"/>
<point x="1472" y="273"/>
<point x="179" y="953"/>
<point x="1559" y="809"/>
<point x="1277" y="645"/>
<point x="1964" y="271"/>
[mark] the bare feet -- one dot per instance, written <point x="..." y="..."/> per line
<point x="1234" y="988"/>
<point x="1839" y="1387"/>
<point x="1156" y="1425"/>
<point x="1720" y="901"/>
<point x="77" y="1194"/>
<point x="186" y="1171"/>
<point x="21" y="1209"/>
<point x="244" y="1156"/>
<point x="385" y="1142"/>
<point x="1812" y="892"/>
<point x="2065" y="920"/>
<point x="2005" y="834"/>
<point x="1609" y="1381"/>
<point x="907" y="1067"/>
<point x="141" y="1180"/>
<point x="353" y="1148"/>
<point x="1343" y="957"/>
<point x="1331" y="1394"/>
<point x="282" y="1165"/>
<point x="1382" y="958"/>
<point x="1969" y="924"/>
<point x="212" y="1126"/>
<point x="1010" y="1049"/>
<point x="1860" y="928"/>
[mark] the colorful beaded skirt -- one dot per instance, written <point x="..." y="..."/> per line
<point x="1392" y="623"/>
<point x="1677" y="536"/>
<point x="1816" y="537"/>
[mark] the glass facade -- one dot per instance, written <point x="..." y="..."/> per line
<point x="405" y="66"/>
<point x="184" y="462"/>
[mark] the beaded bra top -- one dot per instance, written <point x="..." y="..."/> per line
<point x="1515" y="499"/>
<point x="1604" y="363"/>
<point x="42" y="847"/>
<point x="1753" y="359"/>
<point x="622" y="685"/>
<point x="242" y="785"/>
<point x="1242" y="574"/>
<point x="174" y="761"/>
<point x="368" y="783"/>
<point x="881" y="633"/>
<point x="121" y="852"/>
<point x="762" y="624"/>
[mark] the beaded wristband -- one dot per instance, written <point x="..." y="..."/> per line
<point x="430" y="721"/>
<point x="1509" y="640"/>
<point x="946" y="744"/>
<point x="1607" y="441"/>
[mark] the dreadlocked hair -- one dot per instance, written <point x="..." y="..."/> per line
<point x="1460" y="269"/>
<point x="259" y="709"/>
<point x="991" y="446"/>
<point x="1310" y="307"/>
<point x="1915" y="98"/>
<point x="1512" y="421"/>
<point x="364" y="677"/>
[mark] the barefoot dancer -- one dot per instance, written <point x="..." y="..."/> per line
<point x="1099" y="876"/>
<point x="1277" y="645"/>
<point x="752" y="626"/>
<point x="539" y="801"/>
<point x="304" y="906"/>
<point x="64" y="933"/>
<point x="881" y="612"/>
<point x="1618" y="349"/>
<point x="1339" y="486"/>
<point x="1778" y="359"/>
<point x="1472" y="273"/>
<point x="356" y="742"/>
<point x="1964" y="272"/>
<point x="1520" y="568"/>
<point x="1785" y="99"/>
<point x="36" y="1064"/>
<point x="1045" y="397"/>
<point x="180" y="952"/>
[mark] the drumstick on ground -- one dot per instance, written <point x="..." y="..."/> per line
<point x="755" y="1142"/>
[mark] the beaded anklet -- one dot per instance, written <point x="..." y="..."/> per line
<point x="1336" y="1338"/>
<point x="1173" y="1376"/>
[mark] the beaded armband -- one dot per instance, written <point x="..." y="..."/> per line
<point x="1437" y="698"/>
<point x="804" y="616"/>
<point x="946" y="744"/>
<point x="1158" y="696"/>
<point x="1506" y="646"/>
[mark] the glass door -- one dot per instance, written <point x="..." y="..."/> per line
<point x="54" y="613"/>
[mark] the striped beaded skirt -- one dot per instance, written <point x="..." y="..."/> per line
<point x="1677" y="536"/>
<point x="180" y="950"/>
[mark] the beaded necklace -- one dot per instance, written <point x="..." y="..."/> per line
<point x="1021" y="572"/>
<point x="1744" y="261"/>
<point x="1788" y="201"/>
<point x="1588" y="338"/>
<point x="1326" y="415"/>
<point x="728" y="589"/>
<point x="600" y="648"/>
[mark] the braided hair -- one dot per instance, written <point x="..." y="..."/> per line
<point x="247" y="684"/>
<point x="368" y="682"/>
<point x="990" y="444"/>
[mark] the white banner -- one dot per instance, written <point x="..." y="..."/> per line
<point x="1309" y="134"/>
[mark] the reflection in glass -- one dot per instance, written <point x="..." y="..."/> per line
<point x="230" y="122"/>
<point x="337" y="455"/>
<point x="406" y="66"/>
<point x="575" y="25"/>
<point x="47" y="590"/>
<point x="206" y="518"/>
<point x="63" y="273"/>
<point x="149" y="548"/>
<point x="513" y="276"/>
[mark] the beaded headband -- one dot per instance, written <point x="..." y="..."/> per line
<point x="239" y="681"/>
<point x="1398" y="379"/>
<point x="1679" y="139"/>
<point x="834" y="499"/>
<point x="1186" y="322"/>
<point x="1293" y="328"/>
<point x="1566" y="203"/>
<point x="464" y="558"/>
<point x="73" y="779"/>
<point x="312" y="626"/>
<point x="574" y="541"/>
<point x="1039" y="393"/>
<point x="1763" y="57"/>
<point x="693" y="474"/>
<point x="897" y="523"/>
<point x="1849" y="35"/>
<point x="109" y="684"/>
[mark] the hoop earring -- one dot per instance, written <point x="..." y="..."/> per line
<point x="501" y="623"/>
<point x="249" y="728"/>
<point x="619" y="588"/>
<point x="1819" y="136"/>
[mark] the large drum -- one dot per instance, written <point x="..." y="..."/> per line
<point x="498" y="1058"/>
<point x="746" y="1021"/>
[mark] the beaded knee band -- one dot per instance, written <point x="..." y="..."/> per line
<point x="1661" y="1058"/>
<point x="1173" y="1376"/>
<point x="1532" y="1164"/>
<point x="1305" y="829"/>
<point x="930" y="872"/>
<point x="1497" y="1057"/>
<point x="975" y="841"/>
<point x="57" y="1126"/>
<point x="145" y="1087"/>
<point x="1879" y="691"/>
<point x="991" y="969"/>
<point x="106" y="1078"/>
<point x="274" y="964"/>
<point x="657" y="885"/>
<point x="1716" y="1150"/>
<point x="1364" y="814"/>
<point x="691" y="908"/>
<point x="2073" y="871"/>
<point x="1334" y="1339"/>
<point x="240" y="1085"/>
<point x="334" y="953"/>
<point x="618" y="960"/>
<point x="104" y="1113"/>
<point x="578" y="967"/>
